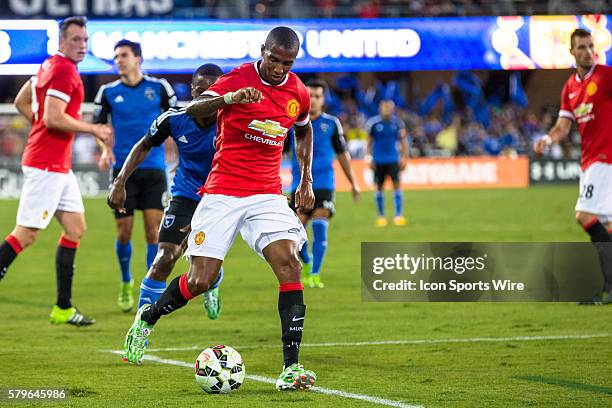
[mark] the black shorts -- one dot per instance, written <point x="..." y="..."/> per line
<point x="381" y="171"/>
<point x="145" y="190"/>
<point x="323" y="199"/>
<point x="177" y="215"/>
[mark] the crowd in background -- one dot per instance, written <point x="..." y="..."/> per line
<point x="454" y="119"/>
<point x="254" y="9"/>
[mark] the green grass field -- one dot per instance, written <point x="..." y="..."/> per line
<point x="556" y="355"/>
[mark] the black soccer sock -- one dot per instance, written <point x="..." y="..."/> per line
<point x="174" y="297"/>
<point x="602" y="241"/>
<point x="64" y="271"/>
<point x="9" y="249"/>
<point x="292" y="311"/>
<point x="597" y="231"/>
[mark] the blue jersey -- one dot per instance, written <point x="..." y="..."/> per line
<point x="327" y="142"/>
<point x="132" y="109"/>
<point x="385" y="135"/>
<point x="196" y="147"/>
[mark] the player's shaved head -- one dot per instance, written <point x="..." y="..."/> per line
<point x="203" y="78"/>
<point x="283" y="37"/>
<point x="210" y="70"/>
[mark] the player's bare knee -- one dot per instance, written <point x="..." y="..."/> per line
<point x="163" y="264"/>
<point x="584" y="218"/>
<point x="25" y="236"/>
<point x="288" y="269"/>
<point x="152" y="235"/>
<point x="198" y="283"/>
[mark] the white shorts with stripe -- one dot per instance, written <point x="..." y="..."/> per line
<point x="45" y="192"/>
<point x="596" y="191"/>
<point x="261" y="219"/>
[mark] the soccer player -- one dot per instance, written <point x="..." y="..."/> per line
<point x="133" y="102"/>
<point x="258" y="103"/>
<point x="387" y="151"/>
<point x="195" y="140"/>
<point x="586" y="99"/>
<point x="52" y="101"/>
<point x="328" y="142"/>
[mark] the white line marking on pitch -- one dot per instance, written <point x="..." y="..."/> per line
<point x="259" y="378"/>
<point x="401" y="342"/>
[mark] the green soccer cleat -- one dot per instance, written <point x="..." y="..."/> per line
<point x="136" y="338"/>
<point x="295" y="377"/>
<point x="69" y="316"/>
<point x="313" y="281"/>
<point x="125" y="300"/>
<point x="212" y="303"/>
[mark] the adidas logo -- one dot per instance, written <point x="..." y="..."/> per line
<point x="119" y="99"/>
<point x="183" y="139"/>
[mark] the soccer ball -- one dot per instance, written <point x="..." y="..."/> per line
<point x="219" y="370"/>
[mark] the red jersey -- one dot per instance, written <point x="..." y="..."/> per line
<point x="47" y="148"/>
<point x="250" y="137"/>
<point x="588" y="102"/>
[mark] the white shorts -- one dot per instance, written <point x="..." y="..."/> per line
<point x="596" y="191"/>
<point x="261" y="220"/>
<point x="45" y="192"/>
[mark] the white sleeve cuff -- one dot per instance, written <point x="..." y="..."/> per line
<point x="210" y="93"/>
<point x="58" y="94"/>
<point x="303" y="122"/>
<point x="566" y="114"/>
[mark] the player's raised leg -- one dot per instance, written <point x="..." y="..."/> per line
<point x="203" y="272"/>
<point x="73" y="225"/>
<point x="282" y="257"/>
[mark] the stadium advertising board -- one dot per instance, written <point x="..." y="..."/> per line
<point x="343" y="45"/>
<point x="554" y="171"/>
<point x="447" y="173"/>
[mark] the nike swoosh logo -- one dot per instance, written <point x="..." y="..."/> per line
<point x="296" y="319"/>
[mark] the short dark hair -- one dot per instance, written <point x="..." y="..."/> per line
<point x="134" y="46"/>
<point x="207" y="70"/>
<point x="580" y="33"/>
<point x="283" y="37"/>
<point x="81" y="21"/>
<point x="317" y="83"/>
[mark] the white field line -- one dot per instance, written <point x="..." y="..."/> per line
<point x="259" y="378"/>
<point x="401" y="342"/>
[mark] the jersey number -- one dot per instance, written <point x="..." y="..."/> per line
<point x="587" y="191"/>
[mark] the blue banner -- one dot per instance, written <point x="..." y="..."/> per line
<point x="344" y="45"/>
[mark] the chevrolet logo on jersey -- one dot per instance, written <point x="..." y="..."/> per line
<point x="268" y="128"/>
<point x="583" y="109"/>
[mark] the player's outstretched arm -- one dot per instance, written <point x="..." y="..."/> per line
<point x="345" y="163"/>
<point x="555" y="135"/>
<point x="117" y="194"/>
<point x="56" y="118"/>
<point x="304" y="196"/>
<point x="23" y="100"/>
<point x="205" y="105"/>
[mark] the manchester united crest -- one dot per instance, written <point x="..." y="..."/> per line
<point x="591" y="88"/>
<point x="199" y="238"/>
<point x="293" y="108"/>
